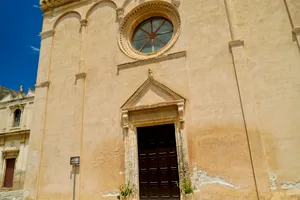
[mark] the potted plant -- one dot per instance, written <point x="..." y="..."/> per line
<point x="186" y="188"/>
<point x="126" y="191"/>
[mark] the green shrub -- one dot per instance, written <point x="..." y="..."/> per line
<point x="126" y="190"/>
<point x="186" y="186"/>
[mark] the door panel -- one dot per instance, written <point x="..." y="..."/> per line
<point x="9" y="173"/>
<point x="158" y="167"/>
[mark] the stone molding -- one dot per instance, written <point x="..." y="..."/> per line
<point x="10" y="153"/>
<point x="17" y="106"/>
<point x="138" y="15"/>
<point x="133" y="116"/>
<point x="296" y="31"/>
<point x="120" y="14"/>
<point x="47" y="34"/>
<point x="84" y="23"/>
<point x="130" y="104"/>
<point x="80" y="76"/>
<point x="2" y="141"/>
<point x="14" y="133"/>
<point x="161" y="58"/>
<point x="176" y="2"/>
<point x="43" y="84"/>
<point x="236" y="43"/>
<point x="51" y="4"/>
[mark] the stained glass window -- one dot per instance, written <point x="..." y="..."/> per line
<point x="152" y="35"/>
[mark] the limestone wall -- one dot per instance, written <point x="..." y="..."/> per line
<point x="239" y="76"/>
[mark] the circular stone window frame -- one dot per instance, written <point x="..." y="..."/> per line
<point x="138" y="15"/>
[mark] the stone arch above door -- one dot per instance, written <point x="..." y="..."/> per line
<point x="152" y="104"/>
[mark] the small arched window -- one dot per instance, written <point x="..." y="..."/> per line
<point x="17" y="117"/>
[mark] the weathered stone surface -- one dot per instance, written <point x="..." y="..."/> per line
<point x="12" y="195"/>
<point x="237" y="133"/>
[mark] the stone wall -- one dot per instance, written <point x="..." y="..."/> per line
<point x="239" y="76"/>
<point x="12" y="195"/>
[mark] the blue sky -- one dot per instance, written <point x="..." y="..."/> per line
<point x="20" y="43"/>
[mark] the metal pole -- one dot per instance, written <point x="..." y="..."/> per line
<point x="74" y="184"/>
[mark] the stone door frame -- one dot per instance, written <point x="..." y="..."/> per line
<point x="158" y="114"/>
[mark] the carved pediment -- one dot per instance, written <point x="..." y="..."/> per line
<point x="152" y="94"/>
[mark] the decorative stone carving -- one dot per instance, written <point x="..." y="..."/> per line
<point x="47" y="34"/>
<point x="180" y="106"/>
<point x="120" y="14"/>
<point x="17" y="106"/>
<point x="43" y="84"/>
<point x="125" y="119"/>
<point x="138" y="15"/>
<point x="173" y="97"/>
<point x="170" y="109"/>
<point x="84" y="23"/>
<point x="51" y="4"/>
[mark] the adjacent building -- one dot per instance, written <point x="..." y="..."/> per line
<point x="15" y="123"/>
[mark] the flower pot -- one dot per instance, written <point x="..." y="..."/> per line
<point x="188" y="196"/>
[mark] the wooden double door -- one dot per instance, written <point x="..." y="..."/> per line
<point x="158" y="167"/>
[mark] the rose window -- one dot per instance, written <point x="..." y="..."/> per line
<point x="152" y="35"/>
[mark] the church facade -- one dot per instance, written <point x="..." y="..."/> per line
<point x="154" y="92"/>
<point x="15" y="123"/>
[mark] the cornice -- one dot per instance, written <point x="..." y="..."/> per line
<point x="43" y="84"/>
<point x="47" y="5"/>
<point x="15" y="133"/>
<point x="47" y="34"/>
<point x="164" y="57"/>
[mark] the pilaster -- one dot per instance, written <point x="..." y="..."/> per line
<point x="245" y="95"/>
<point x="45" y="55"/>
<point x="250" y="115"/>
<point x="35" y="150"/>
<point x="79" y="100"/>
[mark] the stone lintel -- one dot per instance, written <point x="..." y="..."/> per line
<point x="137" y="63"/>
<point x="236" y="43"/>
<point x="43" y="84"/>
<point x="80" y="75"/>
<point x="47" y="34"/>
